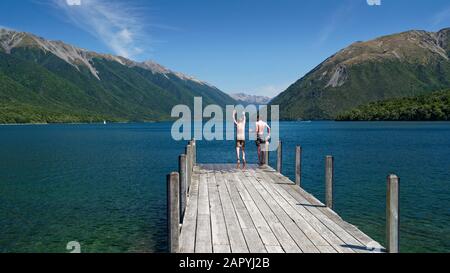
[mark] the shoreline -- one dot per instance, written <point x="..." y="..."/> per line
<point x="293" y="121"/>
<point x="75" y="123"/>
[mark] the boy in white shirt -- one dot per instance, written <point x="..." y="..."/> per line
<point x="240" y="138"/>
<point x="261" y="127"/>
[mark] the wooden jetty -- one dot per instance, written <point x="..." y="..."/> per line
<point x="217" y="208"/>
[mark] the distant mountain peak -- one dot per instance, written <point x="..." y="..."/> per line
<point x="415" y="46"/>
<point x="74" y="56"/>
<point x="10" y="39"/>
<point x="251" y="99"/>
<point x="154" y="67"/>
<point x="398" y="65"/>
<point x="51" y="81"/>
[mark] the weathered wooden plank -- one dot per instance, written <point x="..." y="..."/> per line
<point x="327" y="249"/>
<point x="392" y="215"/>
<point x="254" y="242"/>
<point x="221" y="248"/>
<point x="298" y="166"/>
<point x="296" y="233"/>
<point x="188" y="231"/>
<point x="310" y="200"/>
<point x="182" y="167"/>
<point x="283" y="236"/>
<point x="301" y="222"/>
<point x="203" y="242"/>
<point x="173" y="211"/>
<point x="323" y="230"/>
<point x="188" y="168"/>
<point x="235" y="234"/>
<point x="258" y="211"/>
<point x="275" y="249"/>
<point x="280" y="157"/>
<point x="266" y="234"/>
<point x="329" y="181"/>
<point x="220" y="240"/>
<point x="349" y="240"/>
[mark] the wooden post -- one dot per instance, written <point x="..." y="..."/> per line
<point x="194" y="152"/>
<point x="392" y="214"/>
<point x="182" y="167"/>
<point x="173" y="211"/>
<point x="329" y="177"/>
<point x="298" y="166"/>
<point x="188" y="164"/>
<point x="280" y="157"/>
<point x="191" y="143"/>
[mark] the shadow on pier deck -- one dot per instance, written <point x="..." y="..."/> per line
<point x="261" y="211"/>
<point x="217" y="208"/>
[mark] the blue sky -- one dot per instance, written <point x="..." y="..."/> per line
<point x="252" y="46"/>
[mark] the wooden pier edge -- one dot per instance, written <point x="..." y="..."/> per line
<point x="329" y="181"/>
<point x="298" y="166"/>
<point x="280" y="157"/>
<point x="173" y="211"/>
<point x="392" y="214"/>
<point x="179" y="187"/>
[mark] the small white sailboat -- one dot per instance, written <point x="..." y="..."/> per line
<point x="104" y="122"/>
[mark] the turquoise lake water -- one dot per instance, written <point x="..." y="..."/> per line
<point x="104" y="185"/>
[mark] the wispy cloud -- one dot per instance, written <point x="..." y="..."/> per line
<point x="118" y="24"/>
<point x="5" y="27"/>
<point x="442" y="16"/>
<point x="269" y="90"/>
<point x="333" y="23"/>
<point x="272" y="90"/>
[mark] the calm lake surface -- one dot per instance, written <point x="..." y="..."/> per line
<point x="104" y="185"/>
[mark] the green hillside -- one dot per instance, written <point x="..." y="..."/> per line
<point x="430" y="107"/>
<point x="401" y="65"/>
<point x="51" y="82"/>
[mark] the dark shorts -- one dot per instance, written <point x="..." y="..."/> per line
<point x="260" y="141"/>
<point x="240" y="144"/>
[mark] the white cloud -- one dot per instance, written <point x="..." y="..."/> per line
<point x="269" y="90"/>
<point x="73" y="2"/>
<point x="334" y="20"/>
<point x="118" y="24"/>
<point x="272" y="90"/>
<point x="442" y="16"/>
<point x="5" y="27"/>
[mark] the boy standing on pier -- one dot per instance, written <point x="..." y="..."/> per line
<point x="240" y="138"/>
<point x="260" y="140"/>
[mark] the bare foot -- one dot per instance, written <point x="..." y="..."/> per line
<point x="245" y="165"/>
<point x="239" y="165"/>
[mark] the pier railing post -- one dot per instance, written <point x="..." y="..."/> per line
<point x="173" y="211"/>
<point x="192" y="144"/>
<point x="280" y="157"/>
<point x="194" y="152"/>
<point x="188" y="166"/>
<point x="392" y="214"/>
<point x="183" y="185"/>
<point x="329" y="178"/>
<point x="298" y="166"/>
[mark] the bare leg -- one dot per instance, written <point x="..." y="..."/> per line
<point x="243" y="158"/>
<point x="259" y="155"/>
<point x="238" y="157"/>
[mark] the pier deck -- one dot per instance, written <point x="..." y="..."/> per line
<point x="258" y="210"/>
